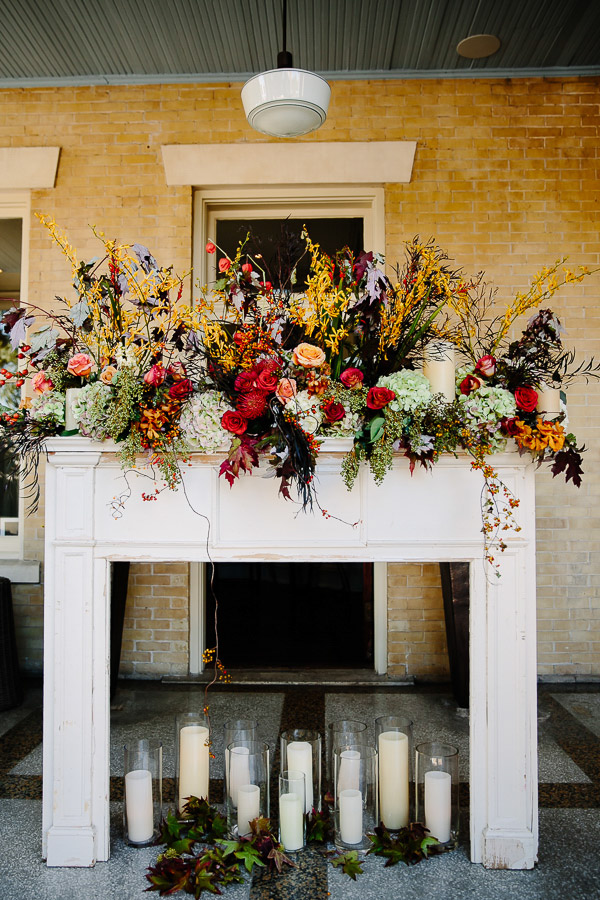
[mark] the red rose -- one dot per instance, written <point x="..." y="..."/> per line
<point x="224" y="264"/>
<point x="378" y="397"/>
<point x="232" y="421"/>
<point x="266" y="381"/>
<point x="210" y="247"/>
<point x="470" y="383"/>
<point x="526" y="398"/>
<point x="334" y="412"/>
<point x="181" y="390"/>
<point x="245" y="381"/>
<point x="510" y="426"/>
<point x="486" y="366"/>
<point x="352" y="378"/>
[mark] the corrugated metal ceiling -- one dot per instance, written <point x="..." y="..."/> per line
<point x="121" y="41"/>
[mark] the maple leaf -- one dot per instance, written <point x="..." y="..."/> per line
<point x="569" y="461"/>
<point x="412" y="844"/>
<point x="242" y="457"/>
<point x="349" y="864"/>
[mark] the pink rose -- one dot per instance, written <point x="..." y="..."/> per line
<point x="80" y="365"/>
<point x="107" y="374"/>
<point x="352" y="378"/>
<point x="286" y="389"/>
<point x="470" y="383"/>
<point x="41" y="383"/>
<point x="309" y="356"/>
<point x="155" y="376"/>
<point x="224" y="264"/>
<point x="486" y="366"/>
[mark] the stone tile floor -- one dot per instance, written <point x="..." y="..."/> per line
<point x="569" y="757"/>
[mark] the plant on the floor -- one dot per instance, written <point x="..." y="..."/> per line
<point x="349" y="863"/>
<point x="409" y="845"/>
<point x="198" y="858"/>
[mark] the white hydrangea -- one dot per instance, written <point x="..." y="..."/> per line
<point x="412" y="389"/>
<point x="307" y="410"/>
<point x="90" y="408"/>
<point x="200" y="422"/>
<point x="51" y="404"/>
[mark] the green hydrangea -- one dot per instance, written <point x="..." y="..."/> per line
<point x="412" y="389"/>
<point x="90" y="410"/>
<point x="50" y="405"/>
<point x="200" y="422"/>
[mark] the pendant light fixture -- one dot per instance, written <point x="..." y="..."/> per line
<point x="286" y="102"/>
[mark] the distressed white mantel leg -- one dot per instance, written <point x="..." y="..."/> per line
<point x="76" y="677"/>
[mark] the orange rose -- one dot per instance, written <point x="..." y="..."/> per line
<point x="309" y="356"/>
<point x="80" y="365"/>
<point x="107" y="375"/>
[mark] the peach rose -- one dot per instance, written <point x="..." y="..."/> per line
<point x="80" y="365"/>
<point x="286" y="389"/>
<point x="309" y="356"/>
<point x="107" y="375"/>
<point x="41" y="383"/>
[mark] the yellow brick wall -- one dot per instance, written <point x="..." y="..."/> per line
<point x="505" y="177"/>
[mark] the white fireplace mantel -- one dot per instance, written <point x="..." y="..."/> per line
<point x="431" y="516"/>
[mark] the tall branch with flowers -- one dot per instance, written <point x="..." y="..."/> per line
<point x="277" y="370"/>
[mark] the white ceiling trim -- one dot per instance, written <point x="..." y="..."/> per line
<point x="322" y="162"/>
<point x="28" y="168"/>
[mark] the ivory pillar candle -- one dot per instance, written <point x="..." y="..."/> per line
<point x="439" y="368"/>
<point x="71" y="395"/>
<point x="349" y="774"/>
<point x="300" y="759"/>
<point x="351" y="816"/>
<point x="193" y="762"/>
<point x="548" y="401"/>
<point x="248" y="806"/>
<point x="393" y="779"/>
<point x="238" y="761"/>
<point x="438" y="804"/>
<point x="138" y="802"/>
<point x="291" y="822"/>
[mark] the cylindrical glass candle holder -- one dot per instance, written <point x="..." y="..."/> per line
<point x="236" y="731"/>
<point x="192" y="757"/>
<point x="300" y="750"/>
<point x="292" y="817"/>
<point x="356" y="807"/>
<point x="436" y="791"/>
<point x="395" y="749"/>
<point x="342" y="732"/>
<point x="247" y="784"/>
<point x="142" y="795"/>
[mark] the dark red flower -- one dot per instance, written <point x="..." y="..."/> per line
<point x="486" y="366"/>
<point x="526" y="398"/>
<point x="266" y="381"/>
<point x="470" y="383"/>
<point x="510" y="426"/>
<point x="245" y="381"/>
<point x="352" y="378"/>
<point x="378" y="397"/>
<point x="252" y="404"/>
<point x="181" y="390"/>
<point x="234" y="422"/>
<point x="334" y="412"/>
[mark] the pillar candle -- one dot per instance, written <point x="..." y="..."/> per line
<point x="138" y="804"/>
<point x="351" y="816"/>
<point x="549" y="400"/>
<point x="299" y="758"/>
<point x="393" y="779"/>
<point x="193" y="762"/>
<point x="349" y="774"/>
<point x="440" y="369"/>
<point x="238" y="770"/>
<point x="71" y="396"/>
<point x="438" y="804"/>
<point x="291" y="827"/>
<point x="248" y="806"/>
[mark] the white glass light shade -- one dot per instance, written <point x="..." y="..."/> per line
<point x="286" y="102"/>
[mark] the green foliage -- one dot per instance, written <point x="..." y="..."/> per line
<point x="320" y="826"/>
<point x="349" y="863"/>
<point x="411" y="845"/>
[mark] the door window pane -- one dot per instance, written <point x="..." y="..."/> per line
<point x="10" y="396"/>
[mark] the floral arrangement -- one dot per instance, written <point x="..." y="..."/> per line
<point x="264" y="371"/>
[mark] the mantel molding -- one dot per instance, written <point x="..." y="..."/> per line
<point x="28" y="168"/>
<point x="301" y="162"/>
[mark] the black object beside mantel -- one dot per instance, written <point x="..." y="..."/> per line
<point x="455" y="591"/>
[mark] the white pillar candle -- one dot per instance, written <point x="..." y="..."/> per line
<point x="349" y="774"/>
<point x="138" y="804"/>
<point x="71" y="395"/>
<point x="291" y="826"/>
<point x="549" y="401"/>
<point x="351" y="816"/>
<point x="393" y="779"/>
<point x="438" y="804"/>
<point x="238" y="761"/>
<point x="300" y="758"/>
<point x="248" y="806"/>
<point x="193" y="762"/>
<point x="440" y="369"/>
